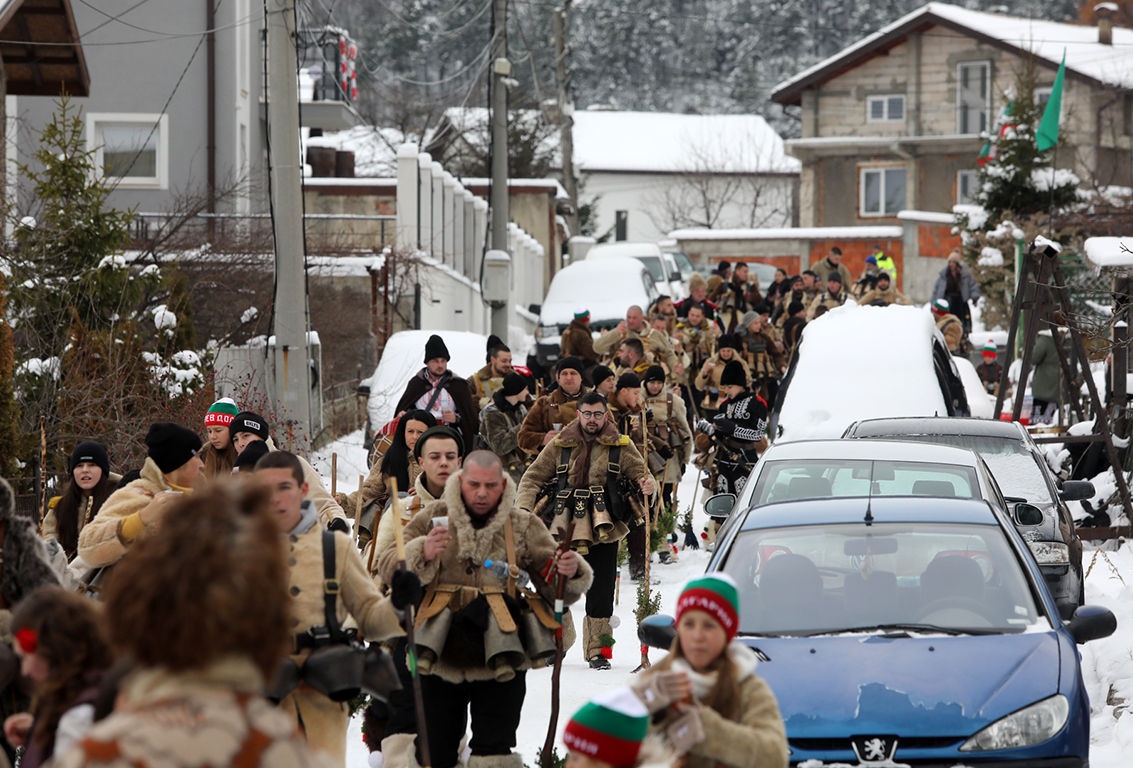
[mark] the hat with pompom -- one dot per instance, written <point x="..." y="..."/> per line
<point x="221" y="412"/>
<point x="610" y="728"/>
<point x="715" y="594"/>
<point x="581" y="313"/>
<point x="941" y="307"/>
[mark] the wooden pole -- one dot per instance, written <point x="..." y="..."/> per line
<point x="566" y="545"/>
<point x="333" y="475"/>
<point x="648" y="530"/>
<point x="410" y="644"/>
<point x="1012" y="330"/>
<point x="358" y="508"/>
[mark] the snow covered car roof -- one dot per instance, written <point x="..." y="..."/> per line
<point x="871" y="450"/>
<point x="607" y="287"/>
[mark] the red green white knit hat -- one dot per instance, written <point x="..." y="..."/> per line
<point x="581" y="313"/>
<point x="941" y="306"/>
<point x="715" y="594"/>
<point x="610" y="728"/>
<point x="990" y="347"/>
<point x="221" y="413"/>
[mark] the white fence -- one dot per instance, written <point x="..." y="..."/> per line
<point x="446" y="225"/>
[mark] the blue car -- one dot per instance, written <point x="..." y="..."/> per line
<point x="908" y="629"/>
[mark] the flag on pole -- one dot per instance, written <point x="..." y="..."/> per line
<point x="1047" y="134"/>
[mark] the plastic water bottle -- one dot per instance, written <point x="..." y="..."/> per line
<point x="500" y="570"/>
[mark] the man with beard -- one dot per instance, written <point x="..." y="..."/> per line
<point x="655" y="344"/>
<point x="435" y="389"/>
<point x="484" y="383"/>
<point x="554" y="411"/>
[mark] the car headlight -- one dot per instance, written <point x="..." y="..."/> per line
<point x="545" y="332"/>
<point x="1030" y="725"/>
<point x="1050" y="552"/>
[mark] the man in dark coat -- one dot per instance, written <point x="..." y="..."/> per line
<point x="737" y="430"/>
<point x="435" y="389"/>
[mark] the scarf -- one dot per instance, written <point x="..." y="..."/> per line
<point x="703" y="682"/>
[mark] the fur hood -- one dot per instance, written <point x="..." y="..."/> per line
<point x="25" y="566"/>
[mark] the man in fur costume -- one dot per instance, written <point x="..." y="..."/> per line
<point x="484" y="383"/>
<point x="552" y="412"/>
<point x="655" y="344"/>
<point x="470" y="671"/>
<point x="737" y="430"/>
<point x="322" y="720"/>
<point x="591" y="444"/>
<point x="439" y="391"/>
<point x="501" y="421"/>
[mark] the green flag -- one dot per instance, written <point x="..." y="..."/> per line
<point x="1047" y="134"/>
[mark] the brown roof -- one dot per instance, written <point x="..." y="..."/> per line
<point x="40" y="46"/>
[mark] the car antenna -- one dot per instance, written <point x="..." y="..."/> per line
<point x="869" y="498"/>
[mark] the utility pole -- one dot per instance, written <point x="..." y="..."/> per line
<point x="501" y="71"/>
<point x="566" y="113"/>
<point x="292" y="393"/>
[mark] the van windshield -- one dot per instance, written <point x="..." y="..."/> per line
<point x="842" y="478"/>
<point x="653" y="264"/>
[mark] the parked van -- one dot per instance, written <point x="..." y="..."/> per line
<point x="663" y="271"/>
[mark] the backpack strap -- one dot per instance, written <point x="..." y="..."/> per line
<point x="331" y="588"/>
<point x="513" y="566"/>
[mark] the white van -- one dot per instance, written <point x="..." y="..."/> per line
<point x="663" y="271"/>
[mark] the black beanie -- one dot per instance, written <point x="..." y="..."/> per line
<point x="728" y="340"/>
<point x="514" y="383"/>
<point x="253" y="452"/>
<point x="171" y="445"/>
<point x="794" y="308"/>
<point x="654" y="373"/>
<point x="439" y="431"/>
<point x="835" y="276"/>
<point x="569" y="362"/>
<point x="246" y="421"/>
<point x="628" y="381"/>
<point x="90" y="451"/>
<point x="435" y="347"/>
<point x="599" y="374"/>
<point x="734" y="374"/>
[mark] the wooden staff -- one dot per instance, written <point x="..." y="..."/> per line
<point x="567" y="544"/>
<point x="648" y="531"/>
<point x="358" y="509"/>
<point x="410" y="645"/>
<point x="333" y="475"/>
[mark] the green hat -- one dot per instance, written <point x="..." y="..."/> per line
<point x="221" y="412"/>
<point x="610" y="728"/>
<point x="715" y="594"/>
<point x="581" y="313"/>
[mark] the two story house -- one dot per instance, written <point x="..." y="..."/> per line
<point x="894" y="121"/>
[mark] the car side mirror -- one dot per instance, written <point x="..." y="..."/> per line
<point x="1091" y="622"/>
<point x="1028" y="514"/>
<point x="718" y="507"/>
<point x="1076" y="490"/>
<point x="658" y="631"/>
<point x="534" y="308"/>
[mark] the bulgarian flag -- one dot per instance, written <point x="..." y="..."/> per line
<point x="1047" y="134"/>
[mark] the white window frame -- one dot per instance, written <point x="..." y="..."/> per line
<point x="975" y="175"/>
<point x="95" y="122"/>
<point x="884" y="99"/>
<point x="987" y="104"/>
<point x="879" y="169"/>
<point x="1042" y="90"/>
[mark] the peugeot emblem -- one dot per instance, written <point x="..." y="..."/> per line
<point x="874" y="749"/>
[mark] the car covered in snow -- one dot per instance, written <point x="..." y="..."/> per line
<point x="663" y="271"/>
<point x="901" y="630"/>
<point x="858" y="363"/>
<point x="607" y="287"/>
<point x="1037" y="496"/>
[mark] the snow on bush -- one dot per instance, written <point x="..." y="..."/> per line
<point x="164" y="319"/>
<point x="114" y="261"/>
<point x="38" y="367"/>
<point x="990" y="257"/>
<point x="180" y="375"/>
<point x="250" y="314"/>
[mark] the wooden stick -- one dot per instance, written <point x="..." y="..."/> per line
<point x="333" y="475"/>
<point x="648" y="532"/>
<point x="410" y="644"/>
<point x="358" y="507"/>
<point x="546" y="759"/>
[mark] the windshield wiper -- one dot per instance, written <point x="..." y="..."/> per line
<point x="932" y="629"/>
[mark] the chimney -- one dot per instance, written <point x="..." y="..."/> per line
<point x="1104" y="13"/>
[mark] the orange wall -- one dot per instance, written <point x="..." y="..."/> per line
<point x="936" y="241"/>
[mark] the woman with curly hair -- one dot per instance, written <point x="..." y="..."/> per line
<point x="201" y="607"/>
<point x="62" y="651"/>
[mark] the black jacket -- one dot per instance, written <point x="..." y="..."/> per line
<point x="468" y="417"/>
<point x="742" y="418"/>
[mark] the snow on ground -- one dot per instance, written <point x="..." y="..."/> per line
<point x="1107" y="664"/>
<point x="351" y="462"/>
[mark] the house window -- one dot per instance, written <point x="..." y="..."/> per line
<point x="1042" y="95"/>
<point x="973" y="96"/>
<point x="966" y="184"/>
<point x="882" y="191"/>
<point x="130" y="149"/>
<point x="885" y="109"/>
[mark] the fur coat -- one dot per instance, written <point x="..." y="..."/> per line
<point x="557" y="407"/>
<point x="105" y="539"/>
<point x="25" y="566"/>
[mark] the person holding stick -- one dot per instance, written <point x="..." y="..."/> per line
<point x="467" y="619"/>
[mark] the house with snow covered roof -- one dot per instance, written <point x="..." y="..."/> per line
<point x="665" y="170"/>
<point x="893" y="122"/>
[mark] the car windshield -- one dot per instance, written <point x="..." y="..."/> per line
<point x="910" y="577"/>
<point x="653" y="264"/>
<point x="1012" y="464"/>
<point x="819" y="478"/>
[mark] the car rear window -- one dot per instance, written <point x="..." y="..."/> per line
<point x="844" y="478"/>
<point x="847" y="577"/>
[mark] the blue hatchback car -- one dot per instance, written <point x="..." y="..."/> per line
<point x="913" y="630"/>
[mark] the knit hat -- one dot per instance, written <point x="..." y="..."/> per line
<point x="748" y="318"/>
<point x="514" y="383"/>
<point x="493" y="344"/>
<point x="569" y="362"/>
<point x="90" y="451"/>
<point x="728" y="340"/>
<point x="734" y="374"/>
<point x="253" y="452"/>
<point x="628" y="381"/>
<point x="723" y="265"/>
<point x="696" y="280"/>
<point x="836" y="276"/>
<point x="941" y="307"/>
<point x="883" y="275"/>
<point x="439" y="431"/>
<point x="716" y="594"/>
<point x="246" y="421"/>
<point x="871" y="260"/>
<point x="654" y="373"/>
<point x="581" y="313"/>
<point x="599" y="374"/>
<point x="435" y="347"/>
<point x="610" y="728"/>
<point x="221" y="412"/>
<point x="990" y="349"/>
<point x="794" y="308"/>
<point x="171" y="445"/>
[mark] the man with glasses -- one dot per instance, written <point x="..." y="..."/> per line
<point x="594" y="477"/>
